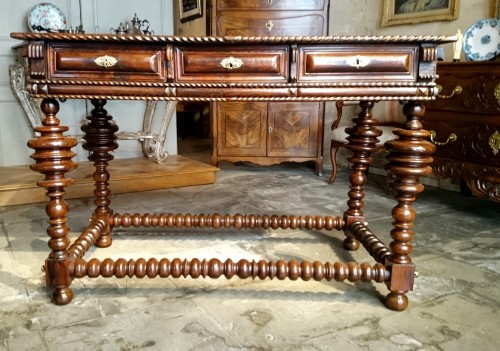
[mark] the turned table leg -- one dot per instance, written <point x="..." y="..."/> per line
<point x="53" y="159"/>
<point x="100" y="140"/>
<point x="362" y="141"/>
<point x="409" y="158"/>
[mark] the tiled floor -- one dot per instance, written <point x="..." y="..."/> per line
<point x="455" y="305"/>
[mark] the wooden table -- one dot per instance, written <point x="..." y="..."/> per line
<point x="101" y="67"/>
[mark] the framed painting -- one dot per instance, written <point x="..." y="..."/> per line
<point x="190" y="9"/>
<point x="397" y="12"/>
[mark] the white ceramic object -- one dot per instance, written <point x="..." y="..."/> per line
<point x="482" y="40"/>
<point x="46" y="17"/>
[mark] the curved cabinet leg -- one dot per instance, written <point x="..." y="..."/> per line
<point x="362" y="141"/>
<point x="409" y="158"/>
<point x="53" y="159"/>
<point x="100" y="140"/>
<point x="333" y="159"/>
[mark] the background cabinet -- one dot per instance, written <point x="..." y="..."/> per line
<point x="466" y="122"/>
<point x="261" y="132"/>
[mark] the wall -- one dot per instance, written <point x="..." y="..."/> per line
<point x="97" y="15"/>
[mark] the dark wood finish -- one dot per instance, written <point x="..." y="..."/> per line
<point x="473" y="115"/>
<point x="288" y="132"/>
<point x="409" y="156"/>
<point x="264" y="18"/>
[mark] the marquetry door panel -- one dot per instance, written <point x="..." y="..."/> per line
<point x="242" y="129"/>
<point x="293" y="129"/>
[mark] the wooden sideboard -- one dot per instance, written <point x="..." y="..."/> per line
<point x="268" y="132"/>
<point x="256" y="69"/>
<point x="465" y="121"/>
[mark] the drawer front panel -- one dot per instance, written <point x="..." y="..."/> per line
<point x="104" y="62"/>
<point x="267" y="24"/>
<point x="348" y="63"/>
<point x="220" y="64"/>
<point x="479" y="89"/>
<point x="271" y="4"/>
<point x="477" y="139"/>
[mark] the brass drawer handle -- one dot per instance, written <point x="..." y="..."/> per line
<point x="451" y="138"/>
<point x="269" y="25"/>
<point x="358" y="61"/>
<point x="106" y="61"/>
<point x="494" y="142"/>
<point x="456" y="91"/>
<point x="496" y="92"/>
<point x="231" y="63"/>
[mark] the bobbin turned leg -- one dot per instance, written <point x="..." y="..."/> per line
<point x="53" y="159"/>
<point x="100" y="140"/>
<point x="362" y="141"/>
<point x="409" y="158"/>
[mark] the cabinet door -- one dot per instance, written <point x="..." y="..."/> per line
<point x="241" y="129"/>
<point x="294" y="129"/>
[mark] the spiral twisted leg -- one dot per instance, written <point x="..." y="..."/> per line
<point x="409" y="158"/>
<point x="100" y="140"/>
<point x="53" y="159"/>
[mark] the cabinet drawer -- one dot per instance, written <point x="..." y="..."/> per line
<point x="271" y="4"/>
<point x="218" y="64"/>
<point x="104" y="62"/>
<point x="478" y="87"/>
<point x="477" y="139"/>
<point x="391" y="63"/>
<point x="285" y="23"/>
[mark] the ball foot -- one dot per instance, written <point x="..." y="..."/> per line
<point x="396" y="301"/>
<point x="104" y="241"/>
<point x="351" y="244"/>
<point x="62" y="296"/>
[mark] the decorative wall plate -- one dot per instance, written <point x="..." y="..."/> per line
<point x="46" y="17"/>
<point x="482" y="40"/>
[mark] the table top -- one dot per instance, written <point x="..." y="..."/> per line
<point x="110" y="66"/>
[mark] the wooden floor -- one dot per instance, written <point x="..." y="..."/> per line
<point x="18" y="183"/>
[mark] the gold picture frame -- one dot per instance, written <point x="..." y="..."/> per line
<point x="397" y="12"/>
<point x="190" y="9"/>
<point x="496" y="9"/>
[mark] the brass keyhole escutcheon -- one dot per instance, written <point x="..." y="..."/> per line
<point x="269" y="25"/>
<point x="106" y="61"/>
<point x="494" y="142"/>
<point x="358" y="61"/>
<point x="231" y="63"/>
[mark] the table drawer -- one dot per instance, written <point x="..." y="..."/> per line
<point x="218" y="64"/>
<point x="284" y="23"/>
<point x="105" y="62"/>
<point x="351" y="62"/>
<point x="271" y="4"/>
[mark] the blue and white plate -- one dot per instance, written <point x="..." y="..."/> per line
<point x="46" y="17"/>
<point x="482" y="40"/>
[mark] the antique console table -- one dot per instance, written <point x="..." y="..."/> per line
<point x="101" y="67"/>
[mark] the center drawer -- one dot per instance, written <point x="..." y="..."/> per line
<point x="224" y="64"/>
<point x="353" y="62"/>
<point x="104" y="62"/>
